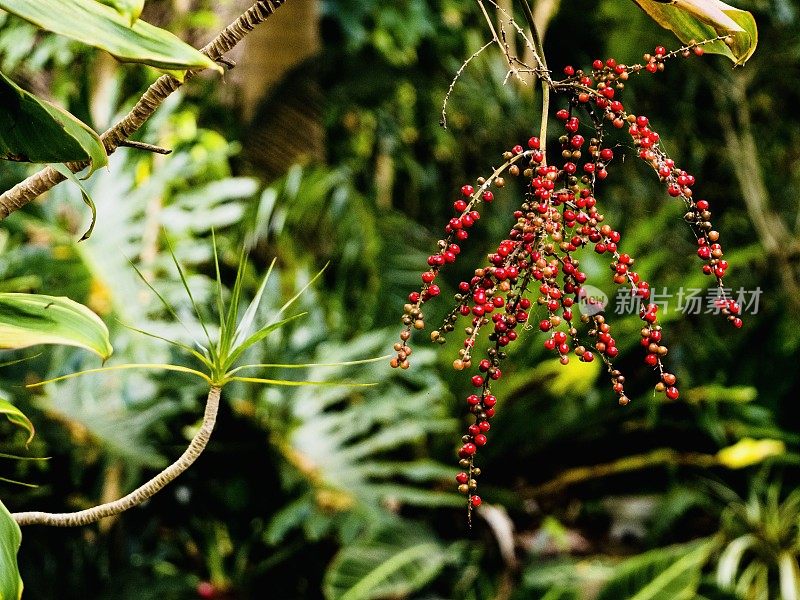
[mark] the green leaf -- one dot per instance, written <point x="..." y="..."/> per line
<point x="244" y="328"/>
<point x="87" y="199"/>
<point x="10" y="539"/>
<point x="258" y="336"/>
<point x="103" y="27"/>
<point x="34" y="130"/>
<point x="17" y="417"/>
<point x="698" y="20"/>
<point x="123" y="367"/>
<point x="131" y="9"/>
<point x="393" y="562"/>
<point x="32" y="319"/>
<point x="672" y="572"/>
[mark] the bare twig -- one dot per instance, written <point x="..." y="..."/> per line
<point x="546" y="81"/>
<point x="145" y="147"/>
<point x="140" y="494"/>
<point x="626" y="464"/>
<point x="25" y="192"/>
<point x="443" y="120"/>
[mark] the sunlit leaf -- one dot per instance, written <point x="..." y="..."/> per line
<point x="131" y="9"/>
<point x="103" y="27"/>
<point x="34" y="130"/>
<point x="747" y="452"/>
<point x="698" y="20"/>
<point x="10" y="539"/>
<point x="17" y="417"/>
<point x="32" y="319"/>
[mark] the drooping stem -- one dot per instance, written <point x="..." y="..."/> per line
<point x="544" y="77"/>
<point x="140" y="494"/>
<point x="26" y="191"/>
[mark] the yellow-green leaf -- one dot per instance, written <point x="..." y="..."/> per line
<point x="698" y="20"/>
<point x="34" y="130"/>
<point x="130" y="9"/>
<point x="32" y="319"/>
<point x="10" y="539"/>
<point x="103" y="27"/>
<point x="747" y="452"/>
<point x="17" y="417"/>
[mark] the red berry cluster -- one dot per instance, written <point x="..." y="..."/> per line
<point x="537" y="262"/>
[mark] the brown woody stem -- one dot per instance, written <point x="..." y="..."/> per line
<point x="140" y="494"/>
<point x="26" y="191"/>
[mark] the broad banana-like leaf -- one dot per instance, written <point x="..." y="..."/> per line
<point x="32" y="319"/>
<point x="34" y="130"/>
<point x="130" y="9"/>
<point x="101" y="26"/>
<point x="17" y="417"/>
<point x="698" y="20"/>
<point x="10" y="539"/>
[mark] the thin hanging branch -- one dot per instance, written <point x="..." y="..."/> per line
<point x="26" y="191"/>
<point x="545" y="78"/>
<point x="140" y="494"/>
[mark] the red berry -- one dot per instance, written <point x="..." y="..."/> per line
<point x="672" y="393"/>
<point x="205" y="589"/>
<point x="475" y="501"/>
<point x="467" y="190"/>
<point x="467" y="450"/>
<point x="480" y="440"/>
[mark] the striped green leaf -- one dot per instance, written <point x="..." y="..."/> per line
<point x="32" y="319"/>
<point x="101" y="26"/>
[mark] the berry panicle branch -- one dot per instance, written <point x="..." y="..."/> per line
<point x="34" y="186"/>
<point x="536" y="267"/>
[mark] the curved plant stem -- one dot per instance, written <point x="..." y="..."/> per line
<point x="140" y="494"/>
<point x="25" y="192"/>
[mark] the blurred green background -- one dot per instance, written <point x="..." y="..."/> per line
<point x="324" y="145"/>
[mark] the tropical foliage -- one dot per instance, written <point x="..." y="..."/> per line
<point x="196" y="266"/>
